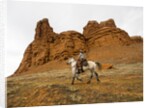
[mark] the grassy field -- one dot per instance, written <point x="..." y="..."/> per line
<point x="123" y="83"/>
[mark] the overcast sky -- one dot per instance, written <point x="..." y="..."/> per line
<point x="23" y="16"/>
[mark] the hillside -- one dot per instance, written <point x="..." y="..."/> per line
<point x="123" y="83"/>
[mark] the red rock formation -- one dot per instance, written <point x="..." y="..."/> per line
<point x="137" y="39"/>
<point x="105" y="34"/>
<point x="108" y="23"/>
<point x="107" y="66"/>
<point x="49" y="46"/>
<point x="37" y="53"/>
<point x="93" y="26"/>
<point x="67" y="44"/>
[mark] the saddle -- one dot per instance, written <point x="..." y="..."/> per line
<point x="84" y="62"/>
<point x="81" y="63"/>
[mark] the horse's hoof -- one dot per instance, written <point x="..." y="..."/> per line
<point x="88" y="82"/>
<point x="98" y="81"/>
<point x="81" y="80"/>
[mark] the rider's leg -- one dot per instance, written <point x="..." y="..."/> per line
<point x="82" y="65"/>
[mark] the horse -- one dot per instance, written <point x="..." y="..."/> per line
<point x="92" y="66"/>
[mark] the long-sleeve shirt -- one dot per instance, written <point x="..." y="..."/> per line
<point x="81" y="56"/>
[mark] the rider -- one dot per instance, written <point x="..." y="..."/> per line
<point x="81" y="57"/>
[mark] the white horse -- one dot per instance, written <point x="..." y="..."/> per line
<point x="91" y="67"/>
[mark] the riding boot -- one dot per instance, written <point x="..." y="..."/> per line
<point x="79" y="71"/>
<point x="82" y="69"/>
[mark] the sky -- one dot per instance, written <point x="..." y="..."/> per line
<point x="22" y="17"/>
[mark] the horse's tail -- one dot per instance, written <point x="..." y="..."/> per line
<point x="99" y="65"/>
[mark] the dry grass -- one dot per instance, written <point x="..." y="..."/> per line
<point x="123" y="83"/>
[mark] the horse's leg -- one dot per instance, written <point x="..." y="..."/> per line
<point x="90" y="77"/>
<point x="73" y="78"/>
<point x="96" y="74"/>
<point x="77" y="76"/>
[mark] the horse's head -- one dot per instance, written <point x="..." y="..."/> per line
<point x="70" y="60"/>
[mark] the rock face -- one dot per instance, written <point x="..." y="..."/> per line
<point x="105" y="34"/>
<point x="67" y="44"/>
<point x="50" y="46"/>
<point x="93" y="26"/>
<point x="37" y="53"/>
<point x="137" y="39"/>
